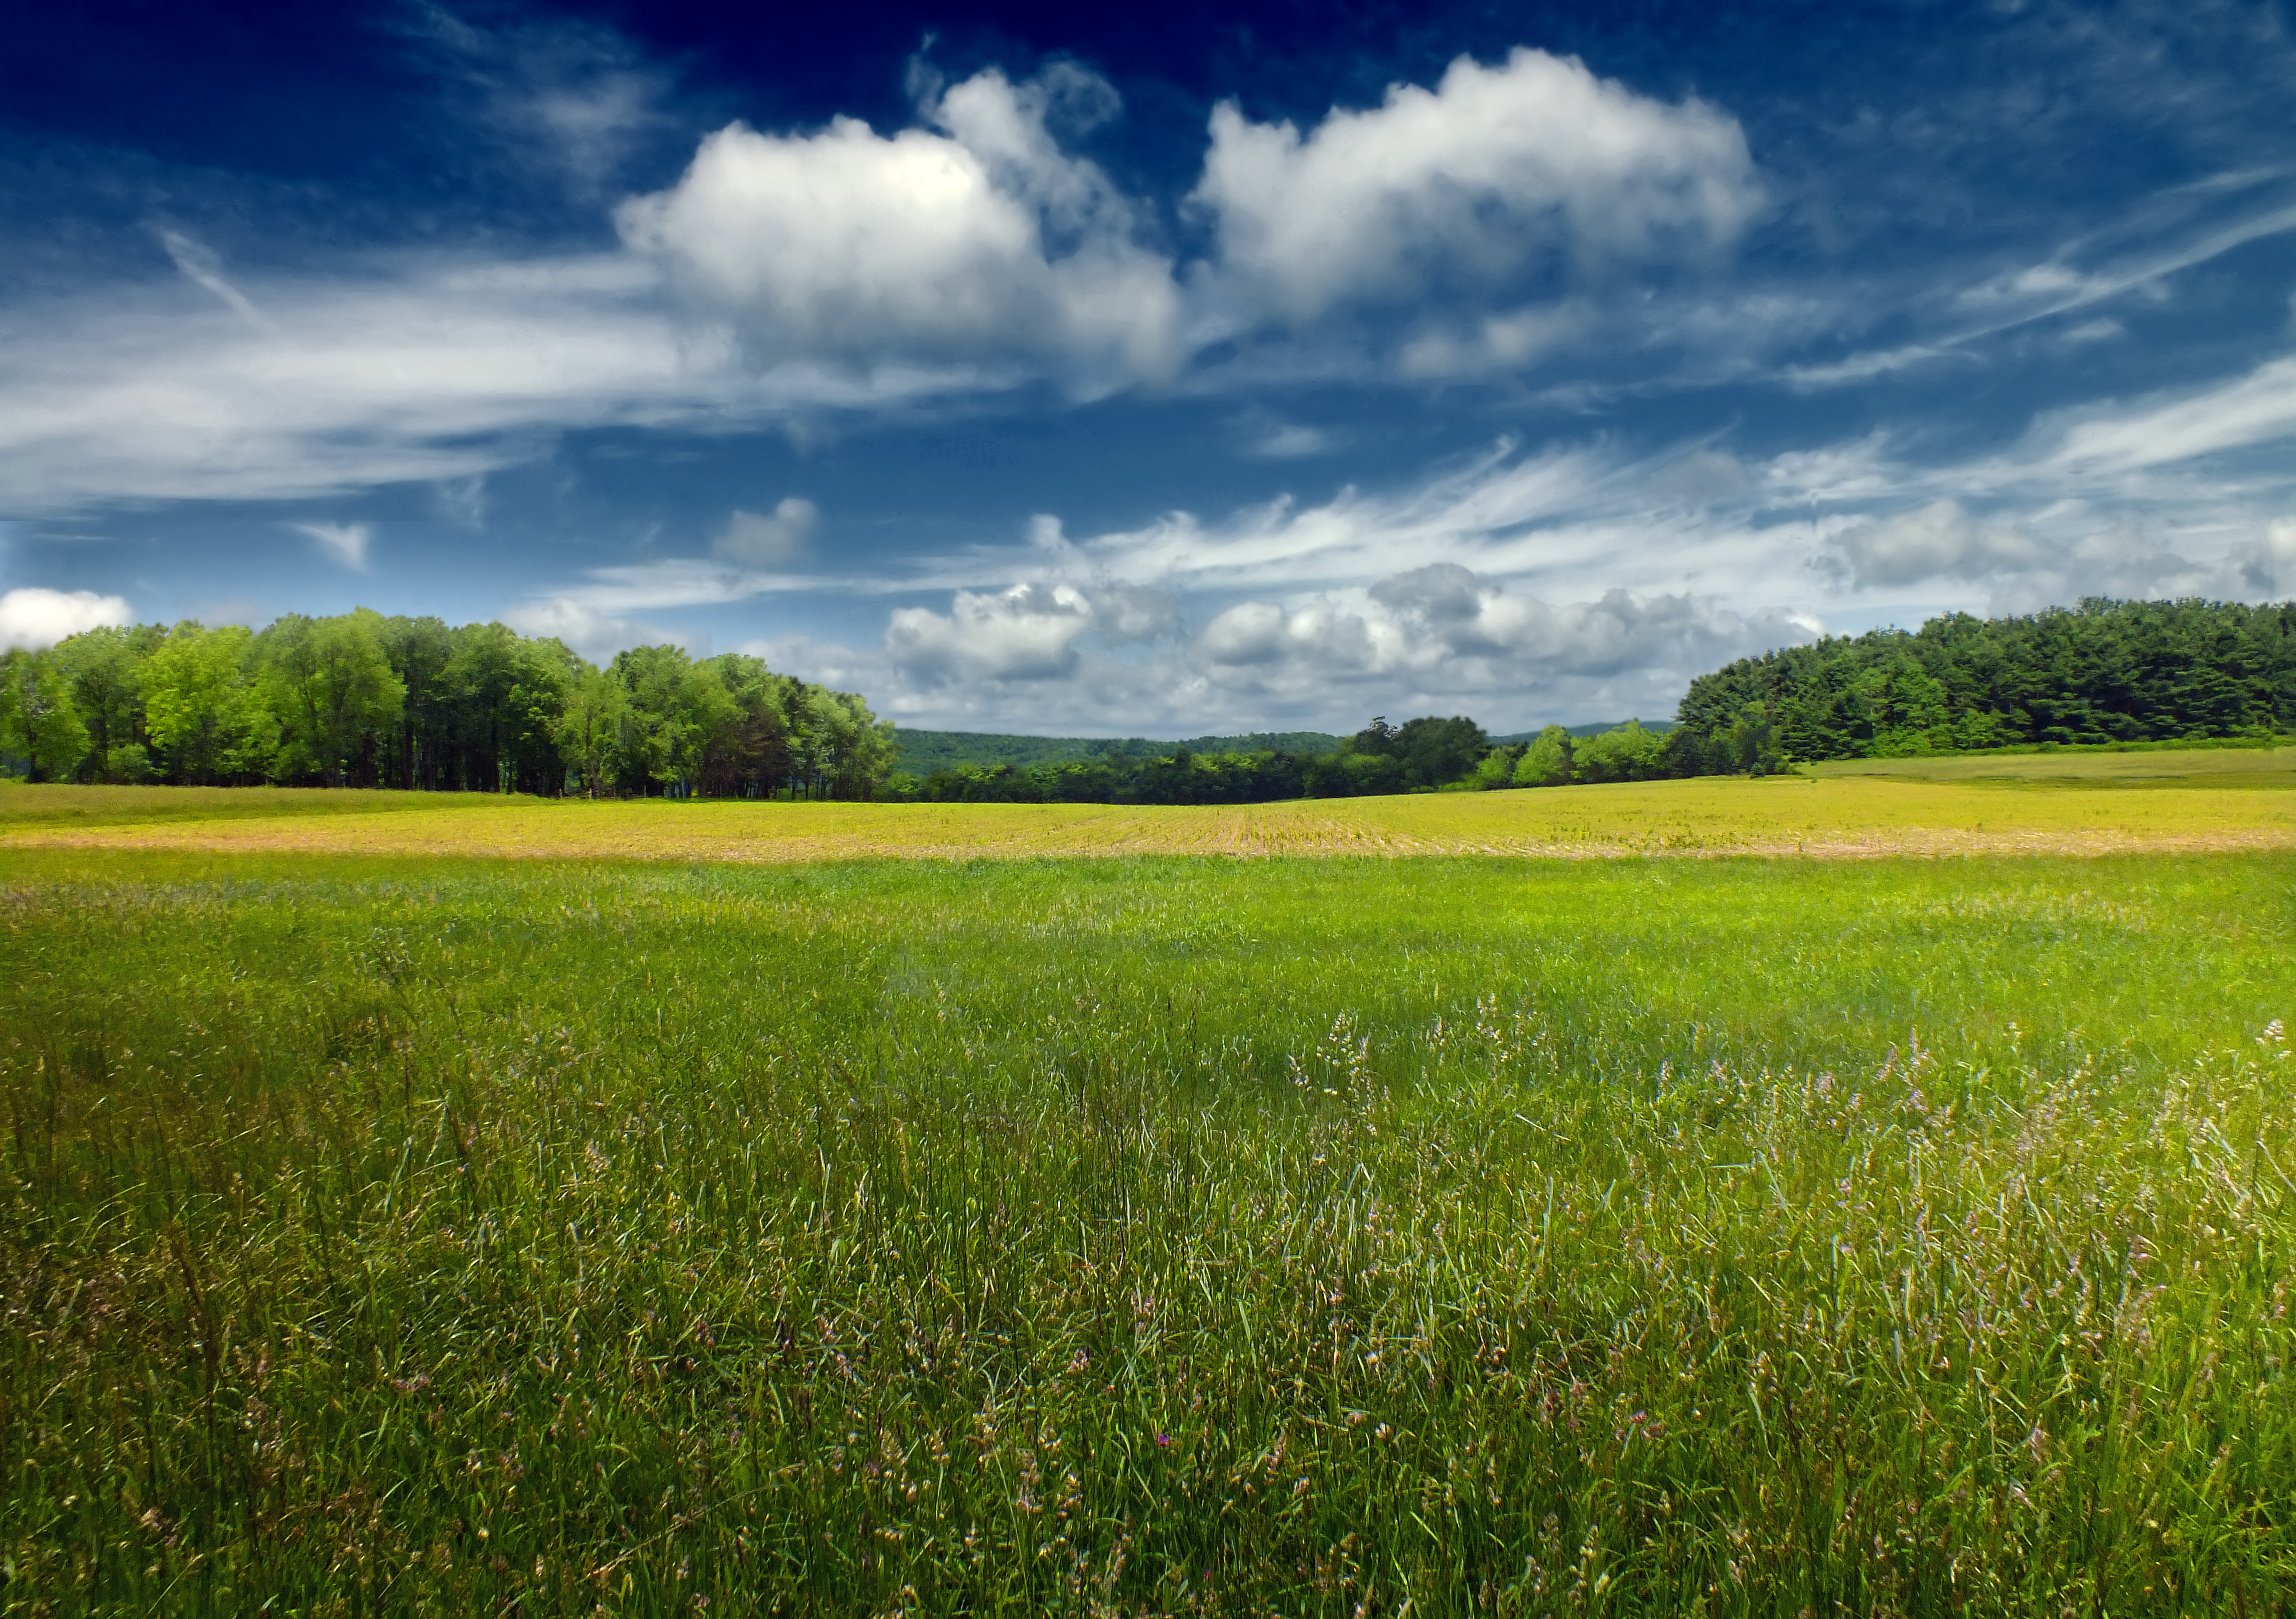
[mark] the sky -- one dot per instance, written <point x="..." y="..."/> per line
<point x="1168" y="371"/>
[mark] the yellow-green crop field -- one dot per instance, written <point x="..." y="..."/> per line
<point x="704" y="1213"/>
<point x="2061" y="804"/>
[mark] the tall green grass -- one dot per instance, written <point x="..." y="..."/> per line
<point x="1178" y="1237"/>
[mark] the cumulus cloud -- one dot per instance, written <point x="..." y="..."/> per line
<point x="979" y="240"/>
<point x="34" y="618"/>
<point x="2269" y="567"/>
<point x="1124" y="613"/>
<point x="1494" y="171"/>
<point x="775" y="541"/>
<point x="1939" y="539"/>
<point x="1446" y="629"/>
<point x="596" y="636"/>
<point x="345" y="542"/>
<point x="1027" y="633"/>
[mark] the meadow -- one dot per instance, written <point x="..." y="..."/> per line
<point x="391" y="1232"/>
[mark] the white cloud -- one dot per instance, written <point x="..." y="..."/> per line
<point x="1355" y="537"/>
<point x="419" y="371"/>
<point x="462" y="500"/>
<point x="595" y="635"/>
<point x="751" y="555"/>
<point x="32" y="617"/>
<point x="1498" y="341"/>
<point x="982" y="242"/>
<point x="1027" y="633"/>
<point x="1939" y="539"/>
<point x="1273" y="440"/>
<point x="2269" y="567"/>
<point x="2018" y="297"/>
<point x="2057" y="286"/>
<point x="1868" y="364"/>
<point x="346" y="542"/>
<point x="1465" y="186"/>
<point x="673" y="581"/>
<point x="132" y="396"/>
<point x="1125" y="614"/>
<point x="2257" y="408"/>
<point x="774" y="541"/>
<point x="202" y="268"/>
<point x="572" y="96"/>
<point x="1445" y="630"/>
<point x="1575" y="519"/>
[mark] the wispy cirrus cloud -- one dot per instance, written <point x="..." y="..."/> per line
<point x="419" y="371"/>
<point x="345" y="542"/>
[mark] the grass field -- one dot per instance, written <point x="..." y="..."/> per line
<point x="390" y="1233"/>
<point x="2266" y="768"/>
<point x="2203" y="800"/>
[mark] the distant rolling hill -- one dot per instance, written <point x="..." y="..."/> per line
<point x="1595" y="730"/>
<point x="921" y="753"/>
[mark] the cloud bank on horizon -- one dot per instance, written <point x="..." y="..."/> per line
<point x="1100" y="385"/>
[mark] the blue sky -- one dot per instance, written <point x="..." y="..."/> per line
<point x="1200" y="368"/>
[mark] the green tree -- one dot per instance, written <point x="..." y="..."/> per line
<point x="1497" y="767"/>
<point x="1437" y="751"/>
<point x="337" y="699"/>
<point x="1377" y="739"/>
<point x="201" y="710"/>
<point x="2100" y="672"/>
<point x="1750" y="745"/>
<point x="420" y="651"/>
<point x="749" y="754"/>
<point x="543" y="672"/>
<point x="38" y="721"/>
<point x="477" y="684"/>
<point x="1626" y="752"/>
<point x="1546" y="762"/>
<point x="852" y="750"/>
<point x="104" y="666"/>
<point x="674" y="706"/>
<point x="589" y="721"/>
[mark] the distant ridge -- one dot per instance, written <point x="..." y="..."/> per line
<point x="922" y="752"/>
<point x="1594" y="729"/>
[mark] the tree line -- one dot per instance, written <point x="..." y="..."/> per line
<point x="2105" y="671"/>
<point x="364" y="700"/>
<point x="1420" y="755"/>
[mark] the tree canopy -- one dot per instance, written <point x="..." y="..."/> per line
<point x="2105" y="671"/>
<point x="362" y="700"/>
